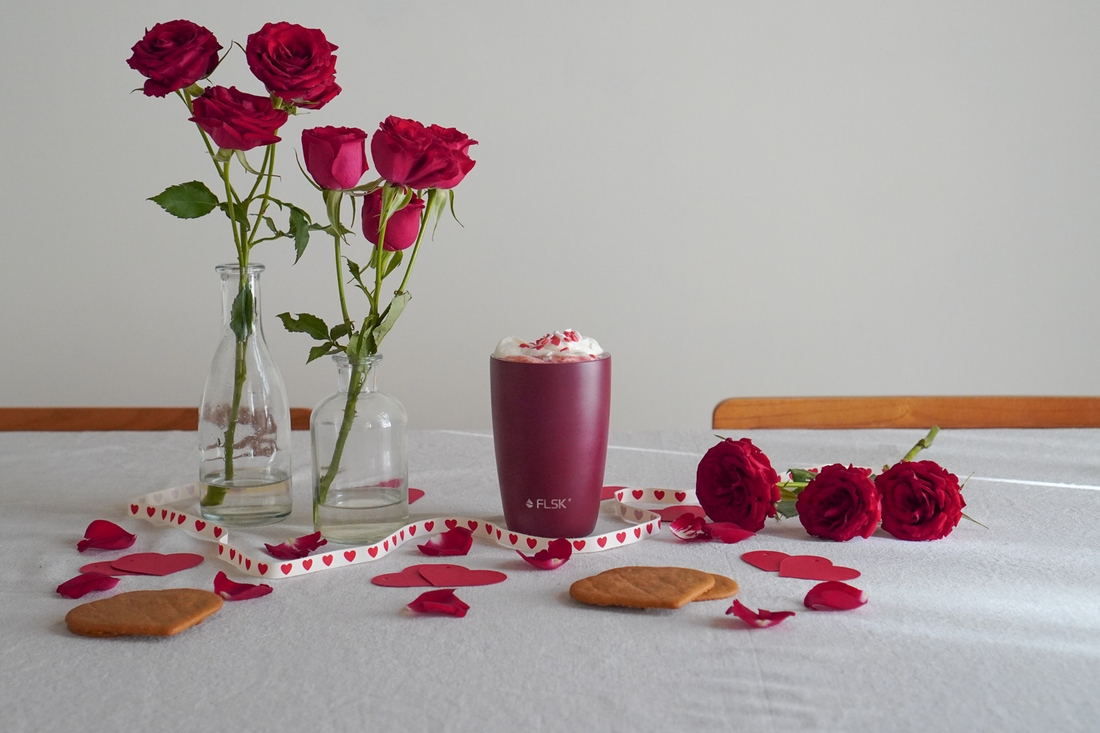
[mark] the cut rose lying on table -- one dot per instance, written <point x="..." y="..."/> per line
<point x="913" y="500"/>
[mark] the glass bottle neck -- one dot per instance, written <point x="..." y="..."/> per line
<point x="241" y="299"/>
<point x="365" y="370"/>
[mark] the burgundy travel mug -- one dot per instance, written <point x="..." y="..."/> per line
<point x="550" y="425"/>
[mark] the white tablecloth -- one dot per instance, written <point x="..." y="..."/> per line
<point x="993" y="628"/>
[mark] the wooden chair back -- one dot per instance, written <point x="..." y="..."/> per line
<point x="115" y="418"/>
<point x="747" y="413"/>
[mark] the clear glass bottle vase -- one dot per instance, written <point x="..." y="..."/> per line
<point x="244" y="421"/>
<point x="360" y="457"/>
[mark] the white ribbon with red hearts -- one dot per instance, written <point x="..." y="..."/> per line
<point x="152" y="508"/>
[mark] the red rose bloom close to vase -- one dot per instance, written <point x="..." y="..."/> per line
<point x="920" y="500"/>
<point x="401" y="230"/>
<point x="407" y="153"/>
<point x="174" y="55"/>
<point x="840" y="503"/>
<point x="294" y="63"/>
<point x="735" y="483"/>
<point x="236" y="120"/>
<point x="336" y="157"/>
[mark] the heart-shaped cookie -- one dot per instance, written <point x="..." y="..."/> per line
<point x="143" y="613"/>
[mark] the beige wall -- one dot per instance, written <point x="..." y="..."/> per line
<point x="735" y="198"/>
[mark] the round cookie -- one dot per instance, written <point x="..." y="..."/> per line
<point x="723" y="588"/>
<point x="143" y="613"/>
<point x="643" y="587"/>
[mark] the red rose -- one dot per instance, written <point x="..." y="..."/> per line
<point x="402" y="228"/>
<point x="920" y="500"/>
<point x="236" y="120"/>
<point x="736" y="483"/>
<point x="407" y="153"/>
<point x="336" y="157"/>
<point x="173" y="56"/>
<point x="839" y="504"/>
<point x="294" y="63"/>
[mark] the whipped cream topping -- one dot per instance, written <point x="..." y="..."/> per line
<point x="556" y="346"/>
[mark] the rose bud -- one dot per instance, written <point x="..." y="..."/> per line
<point x="336" y="157"/>
<point x="402" y="228"/>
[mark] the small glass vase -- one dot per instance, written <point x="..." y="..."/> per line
<point x="244" y="422"/>
<point x="360" y="457"/>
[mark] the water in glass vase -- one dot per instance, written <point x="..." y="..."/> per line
<point x="253" y="496"/>
<point x="362" y="515"/>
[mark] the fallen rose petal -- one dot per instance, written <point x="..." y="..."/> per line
<point x="232" y="591"/>
<point x="761" y="618"/>
<point x="442" y="601"/>
<point x="690" y="527"/>
<point x="86" y="583"/>
<point x="455" y="541"/>
<point x="728" y="532"/>
<point x="554" y="556"/>
<point x="670" y="514"/>
<point x="296" y="548"/>
<point x="105" y="535"/>
<point x="833" y="595"/>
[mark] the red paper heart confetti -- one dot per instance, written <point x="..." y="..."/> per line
<point x="105" y="535"/>
<point x="154" y="563"/>
<point x="415" y="494"/>
<point x="447" y="575"/>
<point x="457" y="541"/>
<point x="767" y="560"/>
<point x="759" y="619"/>
<point x="106" y="568"/>
<point x="296" y="548"/>
<point x="232" y="591"/>
<point x="554" y="556"/>
<point x="811" y="567"/>
<point x="834" y="596"/>
<point x="86" y="583"/>
<point x="407" y="578"/>
<point x="442" y="601"/>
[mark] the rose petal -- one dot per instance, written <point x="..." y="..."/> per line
<point x="554" y="556"/>
<point x="232" y="591"/>
<point x="442" y="601"/>
<point x="455" y="541"/>
<point x="761" y="618"/>
<point x="833" y="595"/>
<point x="296" y="548"/>
<point x="86" y="583"/>
<point x="728" y="532"/>
<point x="105" y="535"/>
<point x="690" y="527"/>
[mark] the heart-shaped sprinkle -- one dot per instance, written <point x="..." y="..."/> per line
<point x="154" y="563"/>
<point x="811" y="567"/>
<point x="766" y="560"/>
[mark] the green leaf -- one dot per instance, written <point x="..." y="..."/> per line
<point x="786" y="508"/>
<point x="241" y="314"/>
<point x="802" y="475"/>
<point x="394" y="263"/>
<point x="187" y="200"/>
<point x="299" y="229"/>
<point x="393" y="311"/>
<point x="305" y="323"/>
<point x="339" y="331"/>
<point x="318" y="351"/>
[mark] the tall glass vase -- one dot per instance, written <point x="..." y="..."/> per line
<point x="244" y="422"/>
<point x="360" y="457"/>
